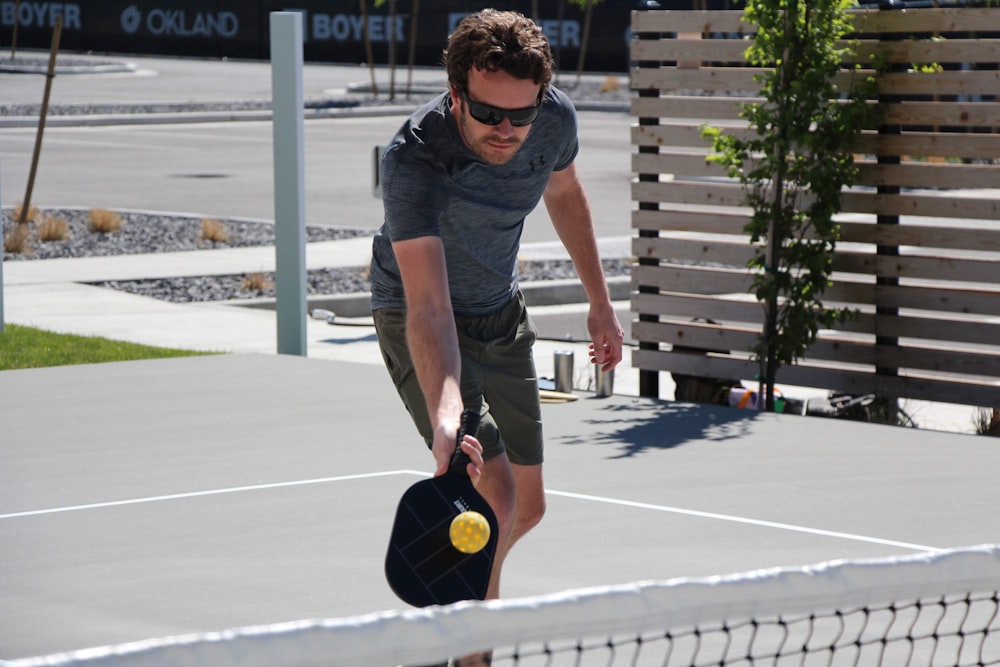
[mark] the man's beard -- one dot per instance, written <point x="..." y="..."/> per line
<point x="482" y="147"/>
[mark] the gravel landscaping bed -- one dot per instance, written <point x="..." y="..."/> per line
<point x="162" y="233"/>
<point x="349" y="280"/>
<point x="142" y="233"/>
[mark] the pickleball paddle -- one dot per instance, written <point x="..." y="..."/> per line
<point x="438" y="550"/>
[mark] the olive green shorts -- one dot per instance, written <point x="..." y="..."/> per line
<point x="498" y="377"/>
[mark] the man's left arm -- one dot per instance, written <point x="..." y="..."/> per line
<point x="569" y="210"/>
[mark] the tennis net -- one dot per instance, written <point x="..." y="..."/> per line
<point x="935" y="608"/>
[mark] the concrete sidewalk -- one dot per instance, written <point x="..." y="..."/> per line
<point x="53" y="295"/>
<point x="50" y="294"/>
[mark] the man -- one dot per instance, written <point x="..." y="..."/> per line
<point x="458" y="180"/>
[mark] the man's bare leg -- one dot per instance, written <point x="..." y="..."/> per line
<point x="517" y="495"/>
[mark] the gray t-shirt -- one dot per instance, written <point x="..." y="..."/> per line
<point x="433" y="185"/>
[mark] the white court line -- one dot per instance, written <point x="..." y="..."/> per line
<point x="739" y="519"/>
<point x="564" y="494"/>
<point x="213" y="492"/>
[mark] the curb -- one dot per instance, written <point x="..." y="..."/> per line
<point x="43" y="68"/>
<point x="198" y="117"/>
<point x="536" y="293"/>
<point x="360" y="111"/>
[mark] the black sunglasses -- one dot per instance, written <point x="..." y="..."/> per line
<point x="488" y="114"/>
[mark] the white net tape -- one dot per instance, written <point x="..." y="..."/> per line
<point x="704" y="611"/>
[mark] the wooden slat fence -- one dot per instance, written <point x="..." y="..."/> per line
<point x="919" y="256"/>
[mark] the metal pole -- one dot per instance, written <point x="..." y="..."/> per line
<point x="289" y="181"/>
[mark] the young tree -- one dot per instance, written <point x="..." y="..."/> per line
<point x="794" y="167"/>
<point x="413" y="47"/>
<point x="392" y="45"/>
<point x="368" y="45"/>
<point x="588" y="7"/>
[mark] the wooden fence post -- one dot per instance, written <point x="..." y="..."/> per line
<point x="883" y="312"/>
<point x="649" y="381"/>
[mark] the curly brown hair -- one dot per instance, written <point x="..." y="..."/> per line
<point x="493" y="40"/>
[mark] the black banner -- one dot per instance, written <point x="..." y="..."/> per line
<point x="333" y="29"/>
<point x="220" y="28"/>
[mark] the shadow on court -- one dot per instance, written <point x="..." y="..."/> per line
<point x="634" y="428"/>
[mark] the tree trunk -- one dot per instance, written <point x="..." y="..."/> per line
<point x="583" y="42"/>
<point x="413" y="48"/>
<point x="559" y="19"/>
<point x="392" y="49"/>
<point x="775" y="240"/>
<point x="368" y="46"/>
<point x="13" y="36"/>
<point x="776" y="226"/>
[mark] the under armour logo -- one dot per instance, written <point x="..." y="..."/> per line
<point x="538" y="162"/>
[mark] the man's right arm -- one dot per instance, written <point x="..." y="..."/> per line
<point x="432" y="338"/>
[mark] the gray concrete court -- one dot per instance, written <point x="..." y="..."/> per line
<point x="147" y="499"/>
<point x="154" y="498"/>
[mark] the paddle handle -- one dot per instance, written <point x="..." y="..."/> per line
<point x="468" y="425"/>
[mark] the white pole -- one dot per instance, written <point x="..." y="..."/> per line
<point x="289" y="181"/>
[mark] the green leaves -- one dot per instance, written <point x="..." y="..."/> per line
<point x="795" y="165"/>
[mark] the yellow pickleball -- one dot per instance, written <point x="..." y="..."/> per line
<point x="469" y="532"/>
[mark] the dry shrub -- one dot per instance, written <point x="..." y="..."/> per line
<point x="18" y="240"/>
<point x="32" y="213"/>
<point x="987" y="421"/>
<point x="52" y="228"/>
<point x="256" y="282"/>
<point x="104" y="221"/>
<point x="213" y="231"/>
<point x="611" y="85"/>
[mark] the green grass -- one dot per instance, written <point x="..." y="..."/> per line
<point x="26" y="347"/>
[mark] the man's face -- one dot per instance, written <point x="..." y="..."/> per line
<point x="495" y="144"/>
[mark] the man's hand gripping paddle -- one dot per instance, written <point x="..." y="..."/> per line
<point x="444" y="536"/>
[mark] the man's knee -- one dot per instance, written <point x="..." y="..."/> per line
<point x="530" y="516"/>
<point x="530" y="503"/>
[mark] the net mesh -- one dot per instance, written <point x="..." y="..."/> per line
<point x="936" y="608"/>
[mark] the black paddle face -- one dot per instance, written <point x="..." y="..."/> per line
<point x="421" y="565"/>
